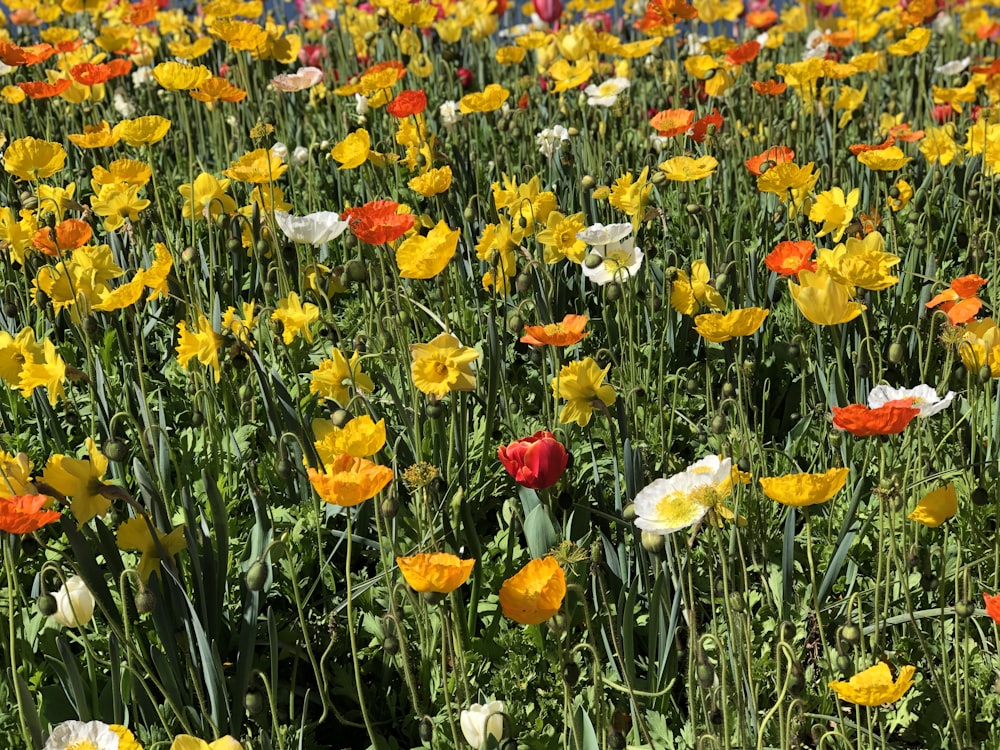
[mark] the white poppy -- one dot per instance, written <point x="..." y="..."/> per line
<point x="82" y="734"/>
<point x="74" y="603"/>
<point x="303" y="78"/>
<point x="606" y="94"/>
<point x="599" y="234"/>
<point x="480" y="722"/>
<point x="311" y="229"/>
<point x="953" y="68"/>
<point x="921" y="397"/>
<point x="678" y="502"/>
<point x="620" y="261"/>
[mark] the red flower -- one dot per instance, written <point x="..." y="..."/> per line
<point x="700" y="129"/>
<point x="407" y="103"/>
<point x="23" y="514"/>
<point x="548" y="10"/>
<point x="788" y="258"/>
<point x="464" y="77"/>
<point x="775" y="155"/>
<point x="535" y="462"/>
<point x="860" y="421"/>
<point x="993" y="607"/>
<point x="745" y="53"/>
<point x="377" y="222"/>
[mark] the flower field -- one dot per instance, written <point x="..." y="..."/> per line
<point x="456" y="375"/>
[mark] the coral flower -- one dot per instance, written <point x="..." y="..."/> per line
<point x="671" y="122"/>
<point x="23" y="514"/>
<point x="69" y="235"/>
<point x="45" y="90"/>
<point x="775" y="155"/>
<point x="348" y="481"/>
<point x="992" y="606"/>
<point x="875" y="686"/>
<point x="718" y="328"/>
<point x="407" y="103"/>
<point x="769" y="87"/>
<point x="789" y="258"/>
<point x="535" y="593"/>
<point x="805" y="489"/>
<point x="861" y="421"/>
<point x="959" y="300"/>
<point x="567" y="332"/>
<point x="744" y="53"/>
<point x="435" y="572"/>
<point x="378" y="222"/>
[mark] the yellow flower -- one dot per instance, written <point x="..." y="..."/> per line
<point x="510" y="55"/>
<point x="80" y="480"/>
<point x="155" y="278"/>
<point x="938" y="146"/>
<point x="835" y="210"/>
<point x="914" y="42"/>
<point x="559" y="238"/>
<point x="257" y="166"/>
<point x="142" y="131"/>
<point x="884" y="160"/>
<point x="13" y="94"/>
<point x="980" y="347"/>
<point x="129" y="171"/>
<point x="94" y="136"/>
<point x="33" y="159"/>
<point x="15" y="353"/>
<point x="295" y="318"/>
<point x="117" y="202"/>
<point x="489" y="99"/>
<point x="187" y="742"/>
<point x="581" y="383"/>
<point x="435" y="572"/>
<point x="348" y="481"/>
<point x="718" y="328"/>
<point x="670" y="504"/>
<point x="334" y="377"/>
<point x="905" y="193"/>
<point x="805" y="489"/>
<point x="631" y="197"/>
<point x="176" y="76"/>
<point x="361" y="437"/>
<point x="936" y="507"/>
<point x="822" y="300"/>
<point x="686" y="169"/>
<point x="432" y="182"/>
<point x="848" y="101"/>
<point x="138" y="534"/>
<point x="125" y="295"/>
<point x="202" y="344"/>
<point x="862" y="263"/>
<point x="353" y="151"/>
<point x="875" y="686"/>
<point x="424" y="257"/>
<point x="687" y="295"/>
<point x="206" y="197"/>
<point x="535" y="593"/>
<point x="789" y="182"/>
<point x="443" y="365"/>
<point x="48" y="373"/>
<point x="568" y="76"/>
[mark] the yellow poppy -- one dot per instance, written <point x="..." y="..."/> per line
<point x="424" y="257"/>
<point x="718" y="328"/>
<point x="875" y="686"/>
<point x="805" y="489"/>
<point x="936" y="507"/>
<point x="435" y="572"/>
<point x="535" y="593"/>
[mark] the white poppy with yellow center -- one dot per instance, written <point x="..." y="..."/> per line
<point x="669" y="505"/>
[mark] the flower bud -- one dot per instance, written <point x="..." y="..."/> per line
<point x="74" y="603"/>
<point x="535" y="462"/>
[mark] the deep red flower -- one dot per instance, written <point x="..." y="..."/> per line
<point x="993" y="607"/>
<point x="860" y="421"/>
<point x="535" y="462"/>
<point x="377" y="222"/>
<point x="23" y="514"/>
<point x="464" y="77"/>
<point x="407" y="103"/>
<point x="548" y="10"/>
<point x="699" y="131"/>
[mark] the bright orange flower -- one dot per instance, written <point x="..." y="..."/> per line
<point x="959" y="300"/>
<point x="861" y="148"/>
<point x="23" y="514"/>
<point x="435" y="572"/>
<point x="788" y="258"/>
<point x="903" y="132"/>
<point x="535" y="593"/>
<point x="378" y="222"/>
<point x="44" y="89"/>
<point x="860" y="421"/>
<point x="407" y="103"/>
<point x="775" y="155"/>
<point x="671" y="122"/>
<point x="142" y="12"/>
<point x="349" y="481"/>
<point x="89" y="74"/>
<point x="662" y="14"/>
<point x="761" y="19"/>
<point x="69" y="235"/>
<point x="743" y="54"/>
<point x="565" y="333"/>
<point x="11" y="54"/>
<point x="993" y="606"/>
<point x="218" y="89"/>
<point x="769" y="87"/>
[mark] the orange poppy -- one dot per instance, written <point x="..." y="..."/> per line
<point x="349" y="481"/>
<point x="743" y="54"/>
<point x="959" y="300"/>
<point x="671" y="122"/>
<point x="378" y="222"/>
<point x="217" y="89"/>
<point x="788" y="258"/>
<point x="23" y="514"/>
<point x="567" y="332"/>
<point x="89" y="74"/>
<point x="769" y="87"/>
<point x="71" y="46"/>
<point x="775" y="155"/>
<point x="535" y="593"/>
<point x="840" y="39"/>
<point x="522" y="103"/>
<point x="45" y="90"/>
<point x="407" y="103"/>
<point x="69" y="235"/>
<point x="987" y="70"/>
<point x="700" y="129"/>
<point x="761" y="19"/>
<point x="12" y="54"/>
<point x="117" y="68"/>
<point x="435" y="572"/>
<point x="664" y="13"/>
<point x="992" y="606"/>
<point x="889" y="419"/>
<point x="861" y="148"/>
<point x="142" y="12"/>
<point x="903" y="132"/>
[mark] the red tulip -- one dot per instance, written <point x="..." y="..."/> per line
<point x="548" y="10"/>
<point x="535" y="462"/>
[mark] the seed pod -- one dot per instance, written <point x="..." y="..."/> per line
<point x="592" y="261"/>
<point x="653" y="543"/>
<point x="254" y="701"/>
<point x="719" y="424"/>
<point x="197" y="418"/>
<point x="390" y="645"/>
<point x="570" y="673"/>
<point x="357" y="272"/>
<point x="965" y="609"/>
<point x="844" y="664"/>
<point x="588" y="182"/>
<point x="628" y="512"/>
<point x="434" y="410"/>
<point x="523" y="283"/>
<point x="234" y="245"/>
<point x="47" y="605"/>
<point x="389" y="508"/>
<point x="283" y="468"/>
<point x="340" y="417"/>
<point x="736" y="602"/>
<point x="850" y="634"/>
<point x="896" y="353"/>
<point x="980" y="496"/>
<point x="426" y="730"/>
<point x="145" y="601"/>
<point x="613" y="292"/>
<point x="706" y="675"/>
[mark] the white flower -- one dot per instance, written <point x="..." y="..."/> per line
<point x="361" y="104"/>
<point x="280" y="150"/>
<point x="620" y="261"/>
<point x="695" y="44"/>
<point x="607" y="93"/>
<point x="311" y="229"/>
<point x="942" y="23"/>
<point x="300" y="156"/>
<point x="669" y="505"/>
<point x="231" y="121"/>
<point x="658" y="142"/>
<point x="953" y="68"/>
<point x="599" y="234"/>
<point x="123" y="105"/>
<point x="74" y="603"/>
<point x="92" y="735"/>
<point x="480" y="722"/>
<point x="450" y="113"/>
<point x="142" y="76"/>
<point x="816" y="45"/>
<point x="303" y="78"/>
<point x="921" y="397"/>
<point x="5" y="69"/>
<point x="550" y="139"/>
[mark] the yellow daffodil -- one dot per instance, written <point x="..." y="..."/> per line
<point x="80" y="479"/>
<point x="443" y="365"/>
<point x="295" y="318"/>
<point x="141" y="535"/>
<point x="822" y="300"/>
<point x="334" y="378"/>
<point x="581" y="383"/>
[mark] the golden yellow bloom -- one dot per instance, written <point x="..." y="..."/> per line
<point x="687" y="295"/>
<point x="49" y="373"/>
<point x="353" y="151"/>
<point x="257" y="166"/>
<point x="789" y="182"/>
<point x="581" y="383"/>
<point x="489" y="99"/>
<point x="875" y="686"/>
<point x="15" y="353"/>
<point x="686" y="169"/>
<point x="138" y="534"/>
<point x="568" y="76"/>
<point x="884" y="160"/>
<point x="432" y="182"/>
<point x="142" y="131"/>
<point x="938" y="145"/>
<point x="33" y="159"/>
<point x="94" y="136"/>
<point x="631" y="196"/>
<point x="980" y="347"/>
<point x="936" y="507"/>
<point x="510" y="55"/>
<point x="175" y="76"/>
<point x="834" y="210"/>
<point x="206" y="197"/>
<point x="80" y="479"/>
<point x="435" y="572"/>
<point x="443" y="365"/>
<point x="348" y="481"/>
<point x="914" y="41"/>
<point x="334" y="377"/>
<point x="535" y="593"/>
<point x="718" y="328"/>
<point x="202" y="344"/>
<point x="155" y="278"/>
<point x="360" y="437"/>
<point x="862" y="263"/>
<point x="425" y="256"/>
<point x="822" y="300"/>
<point x="295" y="318"/>
<point x="805" y="489"/>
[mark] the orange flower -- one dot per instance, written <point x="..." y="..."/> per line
<point x="535" y="593"/>
<point x="992" y="606"/>
<point x="23" y="514"/>
<point x="90" y="74"/>
<point x="378" y="222"/>
<point x="435" y="572"/>
<point x="959" y="300"/>
<point x="775" y="155"/>
<point x="69" y="235"/>
<point x="218" y="89"/>
<point x="903" y="132"/>
<point x="407" y="103"/>
<point x="861" y="148"/>
<point x="860" y="421"/>
<point x="671" y="122"/>
<point x="788" y="258"/>
<point x="769" y="87"/>
<point x="142" y="12"/>
<point x="349" y="481"/>
<point x="567" y="332"/>
<point x="743" y="54"/>
<point x="761" y="19"/>
<point x="43" y="89"/>
<point x="700" y="128"/>
<point x="11" y="54"/>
